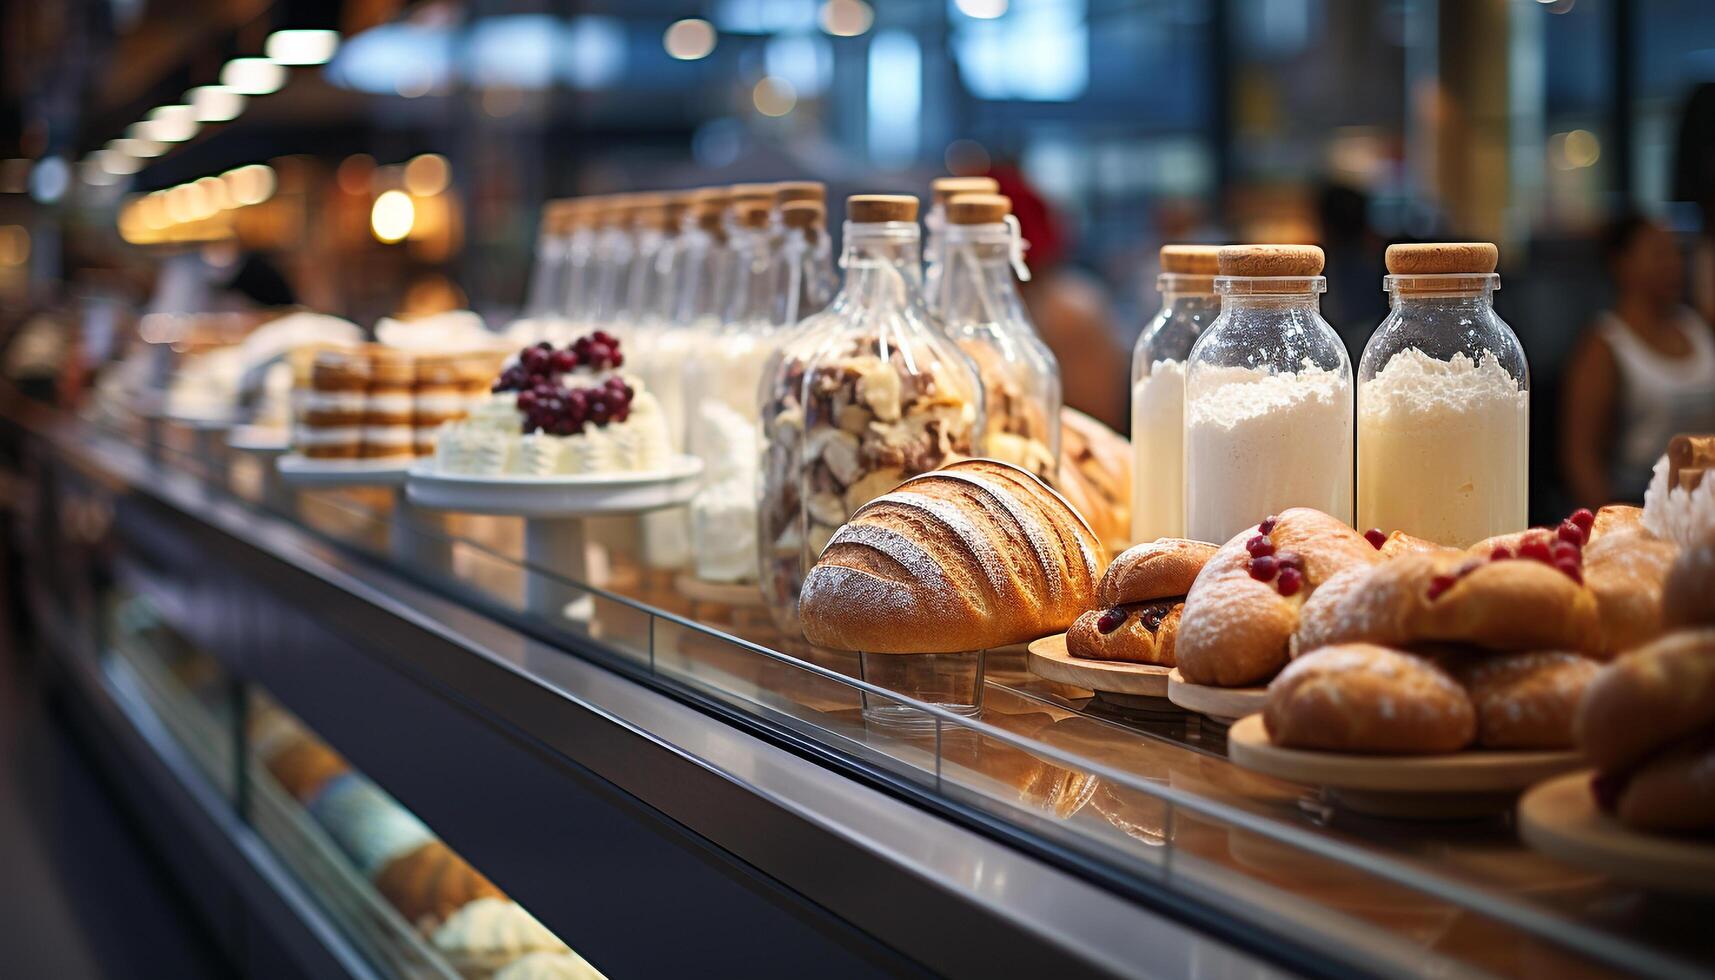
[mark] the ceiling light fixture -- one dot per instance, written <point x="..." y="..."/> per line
<point x="215" y="103"/>
<point x="301" y="47"/>
<point x="253" y="76"/>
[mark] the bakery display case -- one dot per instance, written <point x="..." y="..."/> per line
<point x="686" y="743"/>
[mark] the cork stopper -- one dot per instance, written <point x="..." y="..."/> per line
<point x="673" y="208"/>
<point x="978" y="209"/>
<point x="1260" y="261"/>
<point x="1191" y="260"/>
<point x="803" y="214"/>
<point x="1443" y="258"/>
<point x="787" y="191"/>
<point x="943" y="188"/>
<point x="1689" y="458"/>
<point x="740" y="194"/>
<point x="866" y="209"/>
<point x="751" y="214"/>
<point x="708" y="205"/>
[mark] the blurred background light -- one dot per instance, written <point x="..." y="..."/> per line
<point x="405" y="59"/>
<point x="981" y="9"/>
<point x="251" y="184"/>
<point x="894" y="97"/>
<point x="301" y="47"/>
<point x="252" y="76"/>
<point x="803" y="61"/>
<point x="118" y="163"/>
<point x="215" y="103"/>
<point x="592" y="52"/>
<point x="173" y="123"/>
<point x="392" y="216"/>
<point x="689" y="39"/>
<point x="773" y="96"/>
<point x="765" y="16"/>
<point x="512" y="51"/>
<point x="846" y="18"/>
<point x="427" y="175"/>
<point x="49" y="179"/>
<point x="14" y="245"/>
<point x="137" y="147"/>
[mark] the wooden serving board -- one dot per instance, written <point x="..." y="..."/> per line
<point x="1049" y="659"/>
<point x="1223" y="704"/>
<point x="1560" y="818"/>
<point x="1455" y="785"/>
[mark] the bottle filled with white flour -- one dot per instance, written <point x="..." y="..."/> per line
<point x="1443" y="402"/>
<point x="1188" y="306"/>
<point x="1268" y="397"/>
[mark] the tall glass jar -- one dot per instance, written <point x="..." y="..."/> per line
<point x="984" y="315"/>
<point x="804" y="264"/>
<point x="1188" y="306"/>
<point x="1443" y="402"/>
<point x="577" y="282"/>
<point x="941" y="190"/>
<point x="541" y="313"/>
<point x="1268" y="397"/>
<point x="869" y="391"/>
<point x="615" y="251"/>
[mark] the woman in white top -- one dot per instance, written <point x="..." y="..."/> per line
<point x="1643" y="373"/>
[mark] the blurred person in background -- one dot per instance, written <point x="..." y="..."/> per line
<point x="1070" y="308"/>
<point x="1643" y="371"/>
<point x="1354" y="266"/>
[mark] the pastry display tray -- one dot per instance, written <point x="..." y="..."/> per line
<point x="1144" y="807"/>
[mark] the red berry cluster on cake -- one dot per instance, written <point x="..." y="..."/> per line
<point x="558" y="411"/>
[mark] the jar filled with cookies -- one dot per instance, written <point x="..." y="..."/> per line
<point x="982" y="252"/>
<point x="868" y="393"/>
<point x="1443" y="402"/>
<point x="1189" y="305"/>
<point x="1268" y="397"/>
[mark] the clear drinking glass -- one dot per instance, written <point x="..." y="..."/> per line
<point x="1268" y="397"/>
<point x="1189" y="305"/>
<point x="1443" y="402"/>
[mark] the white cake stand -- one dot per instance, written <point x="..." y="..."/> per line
<point x="554" y="509"/>
<point x="267" y="445"/>
<point x="405" y="541"/>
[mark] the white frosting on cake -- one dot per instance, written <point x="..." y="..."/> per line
<point x="723" y="514"/>
<point x="490" y="441"/>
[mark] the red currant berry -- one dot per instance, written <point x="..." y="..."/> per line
<point x="1111" y="620"/>
<point x="1535" y="548"/>
<point x="1268" y="523"/>
<point x="1440" y="584"/>
<point x="1500" y="553"/>
<point x="1290" y="581"/>
<point x="1572" y="570"/>
<point x="1263" y="568"/>
<point x="1259" y="545"/>
<point x="1584" y="519"/>
<point x="1376" y="537"/>
<point x="1570" y="532"/>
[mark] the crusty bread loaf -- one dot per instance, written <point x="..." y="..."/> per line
<point x="1160" y="569"/>
<point x="1146" y="634"/>
<point x="1236" y="628"/>
<point x="1095" y="475"/>
<point x="1648" y="699"/>
<point x="1400" y="543"/>
<point x="1364" y="698"/>
<point x="1447" y="597"/>
<point x="1625" y="568"/>
<point x="976" y="555"/>
<point x="1525" y="700"/>
<point x="430" y="883"/>
<point x="1688" y="593"/>
<point x="303" y="766"/>
<point x="1672" y="791"/>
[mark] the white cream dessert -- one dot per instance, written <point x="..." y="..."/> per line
<point x="549" y="966"/>
<point x="489" y="933"/>
<point x="560" y="412"/>
<point x="723" y="513"/>
<point x="1442" y="448"/>
<point x="1258" y="442"/>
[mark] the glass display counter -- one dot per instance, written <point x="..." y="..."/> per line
<point x="649" y="742"/>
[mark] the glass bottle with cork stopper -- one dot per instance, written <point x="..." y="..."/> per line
<point x="867" y="393"/>
<point x="941" y="190"/>
<point x="539" y="318"/>
<point x="982" y="312"/>
<point x="1443" y="402"/>
<point x="1189" y="305"/>
<point x="578" y="278"/>
<point x="1268" y="397"/>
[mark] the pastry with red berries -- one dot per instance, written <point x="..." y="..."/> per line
<point x="1140" y="598"/>
<point x="1526" y="596"/>
<point x="1240" y="615"/>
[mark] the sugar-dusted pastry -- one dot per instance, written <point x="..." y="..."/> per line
<point x="1626" y="570"/>
<point x="1364" y="698"/>
<point x="1139" y="602"/>
<point x="1647" y="724"/>
<point x="976" y="555"/>
<point x="1240" y="614"/>
<point x="1688" y="593"/>
<point x="549" y="966"/>
<point x="489" y="933"/>
<point x="1525" y="700"/>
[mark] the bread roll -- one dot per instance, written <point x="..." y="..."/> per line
<point x="304" y="766"/>
<point x="1161" y="569"/>
<point x="1141" y="633"/>
<point x="1525" y="700"/>
<point x="976" y="555"/>
<point x="1446" y="597"/>
<point x="1648" y="699"/>
<point x="1673" y="791"/>
<point x="1626" y="570"/>
<point x="1364" y="698"/>
<point x="1095" y="476"/>
<point x="1236" y="628"/>
<point x="431" y="883"/>
<point x="1688" y="593"/>
<point x="1400" y="543"/>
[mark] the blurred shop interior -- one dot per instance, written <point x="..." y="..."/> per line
<point x="399" y="165"/>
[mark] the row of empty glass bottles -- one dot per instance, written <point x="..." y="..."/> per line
<point x="721" y="300"/>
